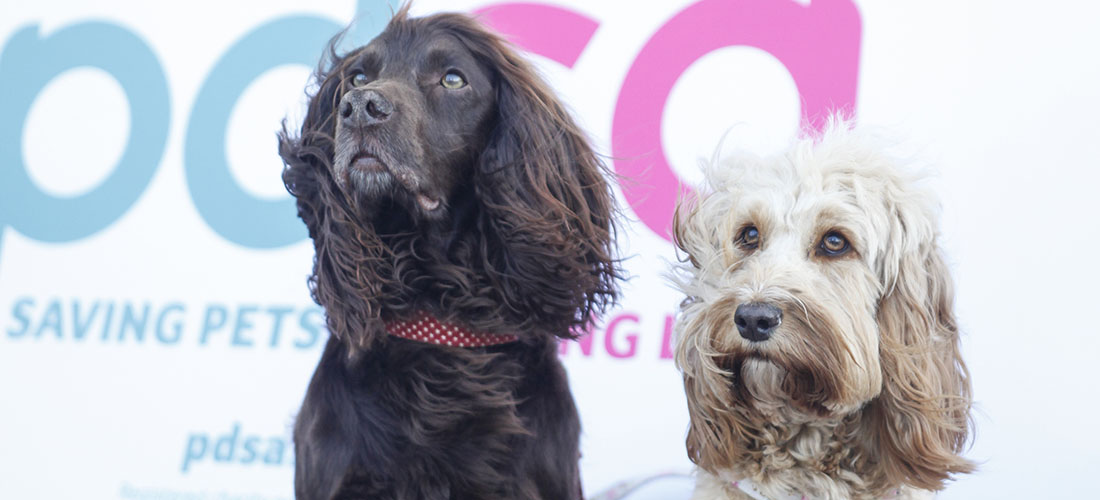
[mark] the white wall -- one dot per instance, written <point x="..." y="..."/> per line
<point x="1000" y="96"/>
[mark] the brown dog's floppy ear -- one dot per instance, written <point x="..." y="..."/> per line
<point x="345" y="265"/>
<point x="921" y="421"/>
<point x="546" y="204"/>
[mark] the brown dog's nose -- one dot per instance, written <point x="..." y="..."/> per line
<point x="756" y="321"/>
<point x="365" y="107"/>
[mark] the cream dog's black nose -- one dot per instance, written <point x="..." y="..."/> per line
<point x="756" y="321"/>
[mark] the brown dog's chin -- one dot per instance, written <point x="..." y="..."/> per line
<point x="368" y="164"/>
<point x="375" y="180"/>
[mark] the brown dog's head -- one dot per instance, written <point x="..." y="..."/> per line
<point x="435" y="170"/>
<point x="412" y="113"/>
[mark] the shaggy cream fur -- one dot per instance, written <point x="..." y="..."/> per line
<point x="860" y="391"/>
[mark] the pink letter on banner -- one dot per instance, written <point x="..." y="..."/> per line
<point x="667" y="350"/>
<point x="631" y="338"/>
<point x="552" y="32"/>
<point x="819" y="45"/>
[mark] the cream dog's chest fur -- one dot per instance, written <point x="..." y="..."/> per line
<point x="711" y="487"/>
<point x="819" y="459"/>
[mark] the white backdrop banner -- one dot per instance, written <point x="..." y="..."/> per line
<point x="156" y="333"/>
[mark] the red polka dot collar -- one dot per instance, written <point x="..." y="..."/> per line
<point x="423" y="327"/>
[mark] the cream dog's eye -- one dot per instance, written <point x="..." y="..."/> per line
<point x="453" y="80"/>
<point x="834" y="244"/>
<point x="749" y="238"/>
<point x="359" y="80"/>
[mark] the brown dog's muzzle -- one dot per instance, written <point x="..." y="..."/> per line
<point x="364" y="107"/>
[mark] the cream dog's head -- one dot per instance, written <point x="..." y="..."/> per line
<point x="817" y="293"/>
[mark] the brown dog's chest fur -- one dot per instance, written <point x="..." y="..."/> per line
<point x="411" y="420"/>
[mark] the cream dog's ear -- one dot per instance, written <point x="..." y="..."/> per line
<point x="921" y="421"/>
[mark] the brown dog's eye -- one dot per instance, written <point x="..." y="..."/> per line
<point x="834" y="244"/>
<point x="453" y="80"/>
<point x="749" y="238"/>
<point x="359" y="80"/>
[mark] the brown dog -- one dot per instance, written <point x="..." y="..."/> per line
<point x="445" y="187"/>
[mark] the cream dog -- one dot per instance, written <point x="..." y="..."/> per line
<point x="818" y="342"/>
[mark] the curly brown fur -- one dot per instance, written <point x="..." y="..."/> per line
<point x="483" y="205"/>
<point x="859" y="391"/>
